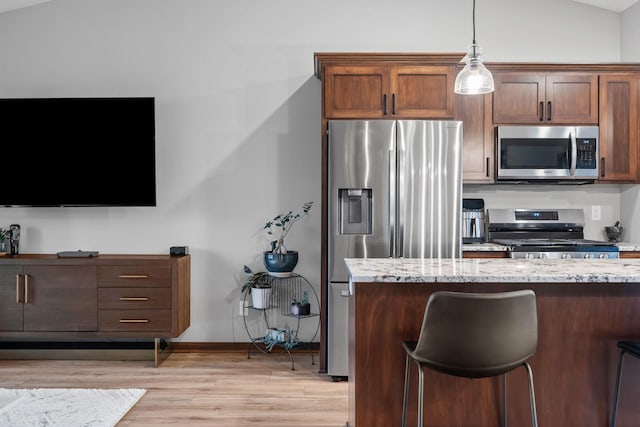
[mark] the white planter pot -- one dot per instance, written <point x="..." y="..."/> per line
<point x="261" y="297"/>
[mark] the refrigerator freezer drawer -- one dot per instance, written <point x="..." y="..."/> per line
<point x="338" y="337"/>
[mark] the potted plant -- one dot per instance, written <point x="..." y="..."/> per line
<point x="301" y="307"/>
<point x="258" y="285"/>
<point x="280" y="261"/>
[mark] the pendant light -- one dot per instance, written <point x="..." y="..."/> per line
<point x="474" y="79"/>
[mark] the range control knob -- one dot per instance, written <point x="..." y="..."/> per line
<point x="528" y="255"/>
<point x="602" y="255"/>
<point x="566" y="255"/>
<point x="588" y="256"/>
<point x="543" y="255"/>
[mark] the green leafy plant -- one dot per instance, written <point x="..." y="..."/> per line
<point x="280" y="226"/>
<point x="260" y="279"/>
<point x="3" y="234"/>
<point x="302" y="301"/>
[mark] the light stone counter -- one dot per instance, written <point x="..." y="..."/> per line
<point x="493" y="270"/>
<point x="483" y="247"/>
<point x="628" y="247"/>
<point x="494" y="247"/>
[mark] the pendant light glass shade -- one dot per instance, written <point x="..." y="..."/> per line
<point x="474" y="79"/>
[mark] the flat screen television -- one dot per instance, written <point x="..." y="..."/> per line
<point x="78" y="152"/>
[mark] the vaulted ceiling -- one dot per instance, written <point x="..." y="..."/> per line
<point x="614" y="5"/>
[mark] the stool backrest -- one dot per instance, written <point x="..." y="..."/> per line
<point x="478" y="334"/>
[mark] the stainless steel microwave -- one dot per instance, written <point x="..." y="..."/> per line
<point x="550" y="153"/>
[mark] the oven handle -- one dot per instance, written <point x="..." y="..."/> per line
<point x="574" y="153"/>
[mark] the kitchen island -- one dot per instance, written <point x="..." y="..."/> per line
<point x="584" y="308"/>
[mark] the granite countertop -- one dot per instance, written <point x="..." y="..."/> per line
<point x="493" y="270"/>
<point x="494" y="247"/>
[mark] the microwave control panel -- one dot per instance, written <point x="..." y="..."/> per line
<point x="587" y="153"/>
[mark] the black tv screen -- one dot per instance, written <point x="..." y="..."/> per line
<point x="78" y="152"/>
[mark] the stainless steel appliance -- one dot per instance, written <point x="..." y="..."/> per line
<point x="545" y="234"/>
<point x="395" y="190"/>
<point x="473" y="224"/>
<point x="559" y="153"/>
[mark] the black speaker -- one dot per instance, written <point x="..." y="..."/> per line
<point x="179" y="250"/>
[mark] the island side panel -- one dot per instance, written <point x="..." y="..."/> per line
<point x="574" y="367"/>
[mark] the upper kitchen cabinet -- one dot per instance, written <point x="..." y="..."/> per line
<point x="551" y="98"/>
<point x="387" y="86"/>
<point x="478" y="154"/>
<point x="619" y="127"/>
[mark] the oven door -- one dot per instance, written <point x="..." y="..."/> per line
<point x="547" y="152"/>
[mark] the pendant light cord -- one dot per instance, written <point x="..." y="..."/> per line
<point x="474" y="21"/>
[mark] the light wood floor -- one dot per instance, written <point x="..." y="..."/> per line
<point x="201" y="389"/>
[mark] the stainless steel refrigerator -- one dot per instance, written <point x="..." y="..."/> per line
<point x="394" y="191"/>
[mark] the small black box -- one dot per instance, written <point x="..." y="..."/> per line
<point x="179" y="250"/>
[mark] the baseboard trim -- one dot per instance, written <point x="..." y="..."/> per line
<point x="233" y="347"/>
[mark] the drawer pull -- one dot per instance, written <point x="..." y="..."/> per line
<point x="134" y="299"/>
<point x="18" y="288"/>
<point x="26" y="289"/>
<point x="133" y="276"/>
<point x="134" y="320"/>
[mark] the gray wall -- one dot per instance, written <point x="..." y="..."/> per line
<point x="238" y="112"/>
<point x="630" y="195"/>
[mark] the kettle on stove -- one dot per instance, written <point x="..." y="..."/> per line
<point x="473" y="230"/>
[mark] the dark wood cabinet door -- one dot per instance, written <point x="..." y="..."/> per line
<point x="59" y="298"/>
<point x="518" y="98"/>
<point x="11" y="297"/>
<point x="356" y="92"/>
<point x="619" y="127"/>
<point x="478" y="152"/>
<point x="422" y="92"/>
<point x="571" y="98"/>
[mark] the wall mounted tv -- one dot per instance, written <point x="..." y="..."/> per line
<point x="78" y="152"/>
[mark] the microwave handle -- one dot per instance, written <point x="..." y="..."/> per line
<point x="574" y="153"/>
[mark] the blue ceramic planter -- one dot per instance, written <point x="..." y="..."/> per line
<point x="277" y="263"/>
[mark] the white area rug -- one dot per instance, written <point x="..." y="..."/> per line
<point x="65" y="407"/>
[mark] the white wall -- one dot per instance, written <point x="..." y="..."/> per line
<point x="630" y="52"/>
<point x="238" y="111"/>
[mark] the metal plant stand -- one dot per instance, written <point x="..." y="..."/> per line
<point x="276" y="326"/>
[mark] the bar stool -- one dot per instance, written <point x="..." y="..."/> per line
<point x="633" y="348"/>
<point x="475" y="335"/>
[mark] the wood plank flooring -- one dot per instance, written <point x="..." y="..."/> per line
<point x="202" y="389"/>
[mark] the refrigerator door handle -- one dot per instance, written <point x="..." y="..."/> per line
<point x="399" y="196"/>
<point x="392" y="203"/>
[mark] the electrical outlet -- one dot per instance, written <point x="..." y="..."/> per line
<point x="596" y="213"/>
<point x="242" y="308"/>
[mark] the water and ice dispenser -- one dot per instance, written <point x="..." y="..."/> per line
<point x="354" y="210"/>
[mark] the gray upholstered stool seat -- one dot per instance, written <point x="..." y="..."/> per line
<point x="633" y="348"/>
<point x="474" y="335"/>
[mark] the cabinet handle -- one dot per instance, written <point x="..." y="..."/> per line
<point x="393" y="103"/>
<point x="134" y="320"/>
<point x="134" y="299"/>
<point x="384" y="104"/>
<point x="541" y="111"/>
<point x="602" y="167"/>
<point x="549" y="111"/>
<point x="26" y="289"/>
<point x="133" y="276"/>
<point x="488" y="165"/>
<point x="18" y="288"/>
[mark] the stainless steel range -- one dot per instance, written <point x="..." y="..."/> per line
<point x="545" y="234"/>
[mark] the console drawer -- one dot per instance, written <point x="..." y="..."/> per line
<point x="134" y="320"/>
<point x="134" y="275"/>
<point x="134" y="298"/>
